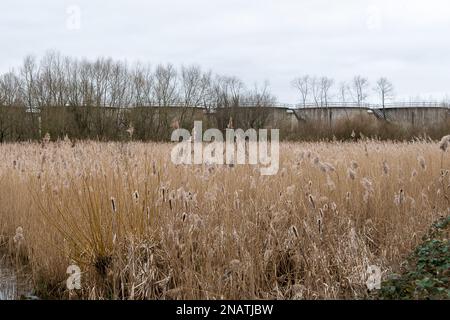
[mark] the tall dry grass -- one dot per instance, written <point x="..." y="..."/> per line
<point x="141" y="227"/>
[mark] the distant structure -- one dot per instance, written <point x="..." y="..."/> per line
<point x="420" y="115"/>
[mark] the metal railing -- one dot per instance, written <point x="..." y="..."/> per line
<point x="409" y="104"/>
<point x="348" y="105"/>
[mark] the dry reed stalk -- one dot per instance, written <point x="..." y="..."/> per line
<point x="143" y="228"/>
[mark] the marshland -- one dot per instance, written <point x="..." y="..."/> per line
<point x="140" y="227"/>
<point x="97" y="202"/>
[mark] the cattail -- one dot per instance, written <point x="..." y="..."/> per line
<point x="366" y="196"/>
<point x="311" y="201"/>
<point x="148" y="213"/>
<point x="136" y="196"/>
<point x="385" y="168"/>
<point x="348" y="196"/>
<point x="19" y="237"/>
<point x="413" y="174"/>
<point x="326" y="167"/>
<point x="316" y="160"/>
<point x="399" y="198"/>
<point x="154" y="167"/>
<point x="367" y="184"/>
<point x="163" y="193"/>
<point x="444" y="143"/>
<point x="351" y="173"/>
<point x="322" y="167"/>
<point x="113" y="204"/>
<point x="368" y="189"/>
<point x="294" y="231"/>
<point x="333" y="206"/>
<point x="237" y="203"/>
<point x="354" y="165"/>
<point x="320" y="221"/>
<point x="422" y="162"/>
<point x="330" y="167"/>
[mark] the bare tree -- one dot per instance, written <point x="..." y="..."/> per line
<point x="260" y="96"/>
<point x="385" y="89"/>
<point x="119" y="85"/>
<point x="343" y="92"/>
<point x="10" y="91"/>
<point x="359" y="89"/>
<point x="325" y="86"/>
<point x="28" y="75"/>
<point x="193" y="85"/>
<point x="261" y="100"/>
<point x="302" y="84"/>
<point x="236" y="87"/>
<point x="316" y="91"/>
<point x="227" y="91"/>
<point x="142" y="80"/>
<point x="71" y="70"/>
<point x="165" y="86"/>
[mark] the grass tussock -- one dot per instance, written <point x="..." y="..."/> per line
<point x="140" y="227"/>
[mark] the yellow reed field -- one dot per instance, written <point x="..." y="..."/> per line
<point x="140" y="227"/>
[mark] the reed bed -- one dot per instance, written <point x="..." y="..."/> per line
<point x="140" y="227"/>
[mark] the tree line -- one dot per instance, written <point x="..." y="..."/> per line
<point x="105" y="98"/>
<point x="57" y="80"/>
<point x="102" y="98"/>
<point x="318" y="91"/>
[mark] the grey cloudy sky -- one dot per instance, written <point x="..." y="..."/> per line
<point x="257" y="40"/>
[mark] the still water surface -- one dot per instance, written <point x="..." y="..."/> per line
<point x="14" y="284"/>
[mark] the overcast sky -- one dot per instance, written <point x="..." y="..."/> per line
<point x="257" y="40"/>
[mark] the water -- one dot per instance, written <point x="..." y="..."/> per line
<point x="13" y="284"/>
<point x="8" y="282"/>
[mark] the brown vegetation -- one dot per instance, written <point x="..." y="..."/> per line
<point x="142" y="228"/>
